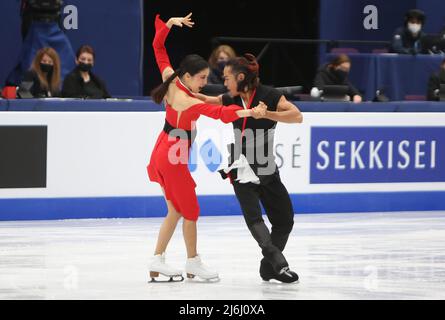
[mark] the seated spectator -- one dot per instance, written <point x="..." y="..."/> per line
<point x="407" y="39"/>
<point x="436" y="79"/>
<point x="217" y="62"/>
<point x="44" y="74"/>
<point x="336" y="73"/>
<point x="81" y="82"/>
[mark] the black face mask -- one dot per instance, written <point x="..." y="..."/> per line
<point x="221" y="65"/>
<point x="85" y="67"/>
<point x="341" y="75"/>
<point x="46" y="68"/>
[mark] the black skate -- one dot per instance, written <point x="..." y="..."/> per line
<point x="285" y="275"/>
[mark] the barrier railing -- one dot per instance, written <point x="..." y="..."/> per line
<point x="268" y="41"/>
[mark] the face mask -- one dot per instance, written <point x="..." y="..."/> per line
<point x="341" y="74"/>
<point x="85" y="67"/>
<point x="414" y="27"/>
<point x="46" y="68"/>
<point x="221" y="65"/>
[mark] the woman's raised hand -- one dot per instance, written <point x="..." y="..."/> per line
<point x="187" y="21"/>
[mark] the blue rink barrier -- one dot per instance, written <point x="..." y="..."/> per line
<point x="3" y="105"/>
<point x="147" y="105"/>
<point x="333" y="202"/>
<point x="144" y="207"/>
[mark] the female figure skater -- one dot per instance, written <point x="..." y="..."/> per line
<point x="169" y="160"/>
<point x="254" y="142"/>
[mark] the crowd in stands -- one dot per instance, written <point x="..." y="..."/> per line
<point x="44" y="77"/>
<point x="408" y="39"/>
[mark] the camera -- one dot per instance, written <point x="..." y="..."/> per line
<point x="43" y="10"/>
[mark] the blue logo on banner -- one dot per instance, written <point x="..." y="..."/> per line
<point x="210" y="155"/>
<point x="377" y="154"/>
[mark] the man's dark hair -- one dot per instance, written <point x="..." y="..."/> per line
<point x="248" y="65"/>
<point x="415" y="14"/>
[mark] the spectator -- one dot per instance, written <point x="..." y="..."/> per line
<point x="44" y="74"/>
<point x="436" y="79"/>
<point x="217" y="62"/>
<point x="408" y="39"/>
<point x="81" y="82"/>
<point x="336" y="73"/>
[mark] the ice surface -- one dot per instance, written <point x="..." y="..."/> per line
<point x="338" y="256"/>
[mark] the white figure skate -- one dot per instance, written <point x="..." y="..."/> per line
<point x="158" y="266"/>
<point x="195" y="268"/>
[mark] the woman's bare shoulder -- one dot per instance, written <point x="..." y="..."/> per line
<point x="179" y="100"/>
<point x="191" y="101"/>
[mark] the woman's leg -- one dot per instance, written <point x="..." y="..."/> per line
<point x="167" y="228"/>
<point x="190" y="237"/>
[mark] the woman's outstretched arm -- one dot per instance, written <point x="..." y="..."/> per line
<point x="228" y="113"/>
<point x="162" y="31"/>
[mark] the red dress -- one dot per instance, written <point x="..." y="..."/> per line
<point x="169" y="159"/>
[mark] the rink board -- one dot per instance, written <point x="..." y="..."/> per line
<point x="334" y="162"/>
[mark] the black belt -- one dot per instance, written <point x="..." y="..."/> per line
<point x="179" y="133"/>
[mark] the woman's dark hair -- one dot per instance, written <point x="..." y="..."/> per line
<point x="249" y="66"/>
<point x="338" y="60"/>
<point x="86" y="49"/>
<point x="191" y="64"/>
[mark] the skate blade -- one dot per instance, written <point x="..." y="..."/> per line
<point x="195" y="278"/>
<point x="274" y="281"/>
<point x="155" y="275"/>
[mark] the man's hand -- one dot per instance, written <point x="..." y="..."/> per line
<point x="259" y="111"/>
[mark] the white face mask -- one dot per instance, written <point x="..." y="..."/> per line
<point x="414" y="27"/>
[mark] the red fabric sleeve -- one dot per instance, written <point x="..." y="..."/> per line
<point x="225" y="113"/>
<point x="159" y="44"/>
